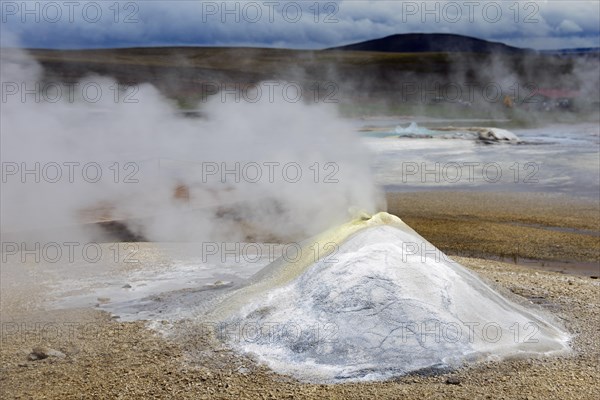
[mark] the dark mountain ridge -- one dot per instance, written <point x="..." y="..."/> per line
<point x="431" y="43"/>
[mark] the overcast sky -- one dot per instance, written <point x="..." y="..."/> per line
<point x="301" y="24"/>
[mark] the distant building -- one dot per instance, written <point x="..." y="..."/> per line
<point x="546" y="99"/>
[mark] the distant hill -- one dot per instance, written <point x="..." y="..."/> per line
<point x="431" y="43"/>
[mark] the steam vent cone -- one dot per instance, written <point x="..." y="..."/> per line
<point x="372" y="299"/>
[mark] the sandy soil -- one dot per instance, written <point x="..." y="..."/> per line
<point x="92" y="356"/>
<point x="557" y="232"/>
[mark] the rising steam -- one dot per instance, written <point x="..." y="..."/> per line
<point x="291" y="169"/>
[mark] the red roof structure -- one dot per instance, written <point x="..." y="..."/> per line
<point x="557" y="93"/>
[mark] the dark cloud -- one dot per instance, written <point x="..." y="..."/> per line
<point x="295" y="24"/>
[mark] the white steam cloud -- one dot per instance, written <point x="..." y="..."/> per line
<point x="291" y="169"/>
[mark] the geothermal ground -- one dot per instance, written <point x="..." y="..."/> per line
<point x="104" y="358"/>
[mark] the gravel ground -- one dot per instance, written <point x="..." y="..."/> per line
<point x="85" y="354"/>
<point x="556" y="232"/>
<point x="98" y="357"/>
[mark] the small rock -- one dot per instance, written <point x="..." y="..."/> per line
<point x="56" y="353"/>
<point x="126" y="286"/>
<point x="594" y="277"/>
<point x="103" y="300"/>
<point x="37" y="354"/>
<point x="452" y="380"/>
<point x="41" y="353"/>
